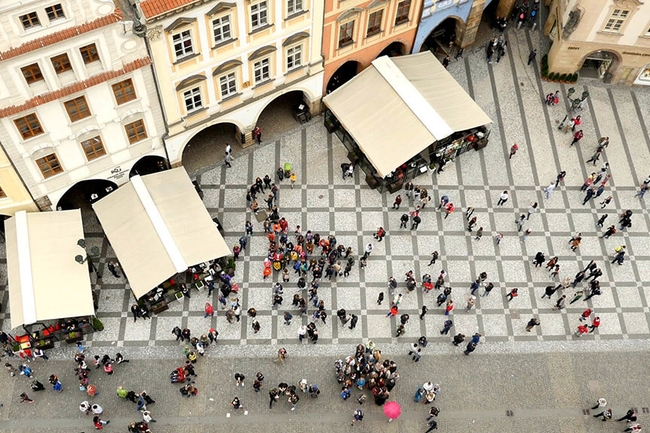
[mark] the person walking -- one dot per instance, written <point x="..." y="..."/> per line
<point x="594" y="324"/>
<point x="548" y="190"/>
<point x="629" y="416"/>
<point x="600" y="403"/>
<point x="532" y="56"/>
<point x="513" y="150"/>
<point x="470" y="302"/>
<point x="434" y="257"/>
<point x="282" y="355"/>
<point x="532" y="323"/>
<point x="590" y="193"/>
<point x="512" y="294"/>
<point x="610" y="231"/>
<point x="471" y="347"/>
<point x="446" y="327"/>
<point x="604" y="203"/>
<point x="25" y="398"/>
<point x="99" y="423"/>
<point x="577" y="137"/>
<point x="228" y="160"/>
<point x="561" y="303"/>
<point x="503" y="198"/>
<point x="424" y="312"/>
<point x="576" y="297"/>
<point x="531" y="210"/>
<point x="479" y="234"/>
<point x="549" y="291"/>
<point x="560" y="178"/>
<point x="606" y="414"/>
<point x="397" y="202"/>
<point x="520" y="222"/>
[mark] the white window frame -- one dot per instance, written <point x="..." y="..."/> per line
<point x="221" y="26"/>
<point x="294" y="57"/>
<point x="183" y="36"/>
<point x="259" y="13"/>
<point x="616" y="20"/>
<point x="229" y="83"/>
<point x="294" y="7"/>
<point x="263" y="68"/>
<point x="190" y="101"/>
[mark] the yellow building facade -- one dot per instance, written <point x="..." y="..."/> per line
<point x="14" y="196"/>
<point x="604" y="39"/>
<point x="220" y="62"/>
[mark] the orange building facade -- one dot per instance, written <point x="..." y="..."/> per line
<point x="357" y="32"/>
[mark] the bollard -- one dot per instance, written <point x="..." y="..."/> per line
<point x="534" y="25"/>
<point x="518" y="25"/>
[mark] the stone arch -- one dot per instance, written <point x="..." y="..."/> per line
<point x="612" y="68"/>
<point x="436" y="32"/>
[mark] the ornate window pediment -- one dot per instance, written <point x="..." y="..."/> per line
<point x="190" y="81"/>
<point x="349" y="14"/>
<point x="261" y="52"/>
<point x="180" y="22"/>
<point x="220" y="7"/>
<point x="295" y="38"/>
<point x="226" y="66"/>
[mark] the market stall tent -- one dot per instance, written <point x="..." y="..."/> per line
<point x="398" y="106"/>
<point x="158" y="227"/>
<point x="45" y="281"/>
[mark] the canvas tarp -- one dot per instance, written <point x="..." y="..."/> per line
<point x="45" y="281"/>
<point x="158" y="227"/>
<point x="398" y="106"/>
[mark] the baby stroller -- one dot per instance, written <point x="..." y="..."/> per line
<point x="177" y="376"/>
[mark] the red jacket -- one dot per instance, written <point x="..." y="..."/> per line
<point x="596" y="322"/>
<point x="587" y="312"/>
<point x="578" y="135"/>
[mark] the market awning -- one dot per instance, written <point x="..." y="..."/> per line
<point x="158" y="227"/>
<point x="399" y="106"/>
<point x="45" y="281"/>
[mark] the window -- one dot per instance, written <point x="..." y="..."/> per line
<point x="77" y="108"/>
<point x="294" y="6"/>
<point x="221" y="29"/>
<point x="32" y="73"/>
<point x="89" y="53"/>
<point x="403" y="9"/>
<point x="374" y="22"/>
<point x="93" y="148"/>
<point x="49" y="165"/>
<point x="183" y="44"/>
<point x="192" y="99"/>
<point x="346" y="32"/>
<point x="228" y="85"/>
<point x="30" y="20"/>
<point x="29" y="126"/>
<point x="2" y="193"/>
<point x="259" y="15"/>
<point x="294" y="57"/>
<point x="55" y="12"/>
<point x="61" y="63"/>
<point x="616" y="20"/>
<point x="136" y="131"/>
<point x="124" y="91"/>
<point x="261" y="70"/>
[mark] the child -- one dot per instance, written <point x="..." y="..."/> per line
<point x="293" y="179"/>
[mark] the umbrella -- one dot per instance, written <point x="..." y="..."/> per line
<point x="392" y="410"/>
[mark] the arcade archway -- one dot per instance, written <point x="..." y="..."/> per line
<point x="443" y="37"/>
<point x="280" y="115"/>
<point x="148" y="164"/>
<point x="601" y="65"/>
<point x="207" y="148"/>
<point x="83" y="194"/>
<point x="395" y="49"/>
<point x="343" y="74"/>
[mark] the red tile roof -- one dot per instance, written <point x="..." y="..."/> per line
<point x="74" y="88"/>
<point x="59" y="36"/>
<point x="153" y="8"/>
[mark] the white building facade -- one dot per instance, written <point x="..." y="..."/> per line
<point x="77" y="96"/>
<point x="225" y="61"/>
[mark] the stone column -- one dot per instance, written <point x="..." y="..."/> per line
<point x="504" y="9"/>
<point x="471" y="26"/>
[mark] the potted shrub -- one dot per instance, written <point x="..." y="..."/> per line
<point x="73" y="337"/>
<point x="231" y="263"/>
<point x="97" y="324"/>
<point x="563" y="78"/>
<point x="330" y="124"/>
<point x="575" y="77"/>
<point x="45" y="344"/>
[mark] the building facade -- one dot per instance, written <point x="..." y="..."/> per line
<point x="604" y="39"/>
<point x="224" y="62"/>
<point x="450" y="21"/>
<point x="358" y="31"/>
<point x="14" y="195"/>
<point x="77" y="102"/>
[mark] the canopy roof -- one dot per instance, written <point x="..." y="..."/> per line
<point x="158" y="227"/>
<point x="399" y="106"/>
<point x="45" y="281"/>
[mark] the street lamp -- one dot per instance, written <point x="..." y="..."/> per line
<point x="94" y="252"/>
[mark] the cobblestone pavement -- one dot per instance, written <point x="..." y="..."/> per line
<point x="511" y="94"/>
<point x="323" y="202"/>
<point x="536" y="393"/>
